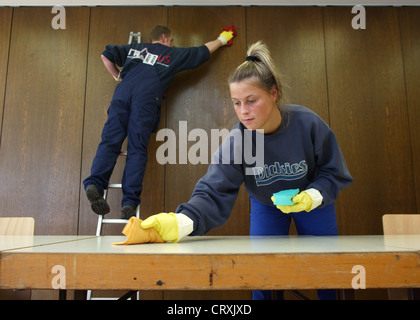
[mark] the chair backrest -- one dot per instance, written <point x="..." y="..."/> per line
<point x="395" y="224"/>
<point x="17" y="226"/>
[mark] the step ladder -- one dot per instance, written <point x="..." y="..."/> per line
<point x="101" y="219"/>
<point x="134" y="37"/>
<point x="101" y="222"/>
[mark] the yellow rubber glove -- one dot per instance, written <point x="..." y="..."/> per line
<point x="303" y="202"/>
<point x="165" y="224"/>
<point x="226" y="36"/>
<point x="136" y="234"/>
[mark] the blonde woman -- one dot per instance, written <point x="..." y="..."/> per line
<point x="300" y="153"/>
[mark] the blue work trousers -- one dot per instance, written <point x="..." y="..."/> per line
<point x="268" y="220"/>
<point x="134" y="114"/>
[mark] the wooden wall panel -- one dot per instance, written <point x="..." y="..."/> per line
<point x="368" y="112"/>
<point x="5" y="26"/>
<point x="295" y="37"/>
<point x="55" y="91"/>
<point x="43" y="115"/>
<point x="108" y="28"/>
<point x="201" y="97"/>
<point x="410" y="36"/>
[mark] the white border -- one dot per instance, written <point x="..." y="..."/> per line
<point x="17" y="3"/>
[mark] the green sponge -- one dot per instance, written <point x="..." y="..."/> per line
<point x="284" y="197"/>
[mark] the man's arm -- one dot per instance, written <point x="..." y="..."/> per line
<point x="111" y="67"/>
<point x="213" y="45"/>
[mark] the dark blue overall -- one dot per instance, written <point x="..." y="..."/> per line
<point x="135" y="110"/>
<point x="134" y="113"/>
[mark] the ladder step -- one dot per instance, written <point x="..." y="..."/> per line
<point x="115" y="186"/>
<point x="114" y="220"/>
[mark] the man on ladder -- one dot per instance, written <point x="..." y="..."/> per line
<point x="147" y="70"/>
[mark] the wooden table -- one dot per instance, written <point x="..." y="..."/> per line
<point x="8" y="243"/>
<point x="212" y="262"/>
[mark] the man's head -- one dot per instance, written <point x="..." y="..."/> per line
<point x="162" y="35"/>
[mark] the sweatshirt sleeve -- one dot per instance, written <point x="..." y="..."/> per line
<point x="116" y="54"/>
<point x="332" y="173"/>
<point x="215" y="194"/>
<point x="213" y="198"/>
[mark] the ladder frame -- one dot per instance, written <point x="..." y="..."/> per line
<point x="134" y="36"/>
<point x="101" y="219"/>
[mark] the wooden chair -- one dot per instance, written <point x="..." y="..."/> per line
<point x="401" y="224"/>
<point x="18" y="227"/>
<point x="395" y="224"/>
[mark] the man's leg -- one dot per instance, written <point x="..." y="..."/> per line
<point x="143" y="117"/>
<point x="113" y="135"/>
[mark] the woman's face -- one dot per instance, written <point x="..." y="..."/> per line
<point x="255" y="107"/>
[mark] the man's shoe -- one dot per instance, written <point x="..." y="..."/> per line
<point x="97" y="202"/>
<point x="127" y="212"/>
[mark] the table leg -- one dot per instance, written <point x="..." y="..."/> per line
<point x="345" y="294"/>
<point x="80" y="294"/>
<point x="62" y="294"/>
<point x="413" y="294"/>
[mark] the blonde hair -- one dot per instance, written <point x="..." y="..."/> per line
<point x="259" y="66"/>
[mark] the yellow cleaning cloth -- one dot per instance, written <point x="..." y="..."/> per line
<point x="136" y="234"/>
